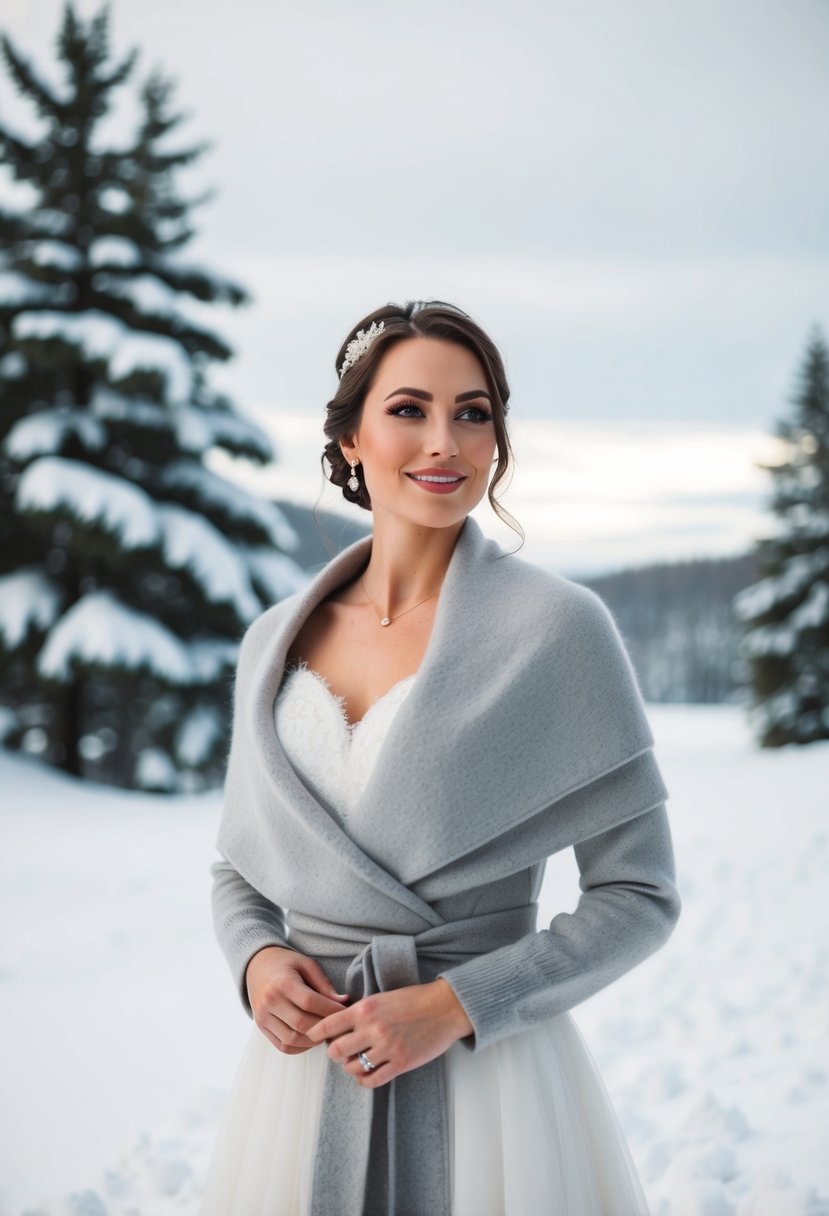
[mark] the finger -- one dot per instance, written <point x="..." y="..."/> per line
<point x="277" y="1042"/>
<point x="309" y="1000"/>
<point x="295" y="1017"/>
<point x="332" y="1026"/>
<point x="288" y="1037"/>
<point x="316" y="977"/>
<point x="380" y="1075"/>
<point x="348" y="1045"/>
<point x="377" y="1056"/>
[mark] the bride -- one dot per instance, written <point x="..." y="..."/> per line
<point x="414" y="733"/>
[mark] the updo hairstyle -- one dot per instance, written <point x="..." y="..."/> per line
<point x="417" y="318"/>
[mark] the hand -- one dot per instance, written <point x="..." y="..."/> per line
<point x="398" y="1030"/>
<point x="289" y="993"/>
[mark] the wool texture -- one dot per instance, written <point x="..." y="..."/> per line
<point x="524" y="732"/>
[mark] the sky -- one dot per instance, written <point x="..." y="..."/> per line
<point x="632" y="199"/>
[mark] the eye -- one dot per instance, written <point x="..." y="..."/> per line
<point x="483" y="415"/>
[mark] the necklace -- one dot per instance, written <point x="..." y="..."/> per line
<point x="387" y="620"/>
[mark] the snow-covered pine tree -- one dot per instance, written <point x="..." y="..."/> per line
<point x="128" y="567"/>
<point x="785" y="616"/>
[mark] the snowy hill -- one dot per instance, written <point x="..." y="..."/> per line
<point x="121" y="1029"/>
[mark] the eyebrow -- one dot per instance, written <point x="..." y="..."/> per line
<point x="418" y="392"/>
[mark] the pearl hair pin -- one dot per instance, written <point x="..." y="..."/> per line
<point x="359" y="345"/>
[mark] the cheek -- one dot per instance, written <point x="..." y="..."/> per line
<point x="481" y="449"/>
<point x="391" y="449"/>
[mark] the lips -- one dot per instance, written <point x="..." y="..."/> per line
<point x="429" y="486"/>
<point x="443" y="475"/>
<point x="434" y="471"/>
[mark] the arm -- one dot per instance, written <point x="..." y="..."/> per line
<point x="245" y="922"/>
<point x="628" y="909"/>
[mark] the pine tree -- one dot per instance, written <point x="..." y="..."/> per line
<point x="128" y="567"/>
<point x="785" y="616"/>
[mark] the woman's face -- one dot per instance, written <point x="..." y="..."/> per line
<point x="428" y="409"/>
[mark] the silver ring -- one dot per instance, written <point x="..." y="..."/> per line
<point x="366" y="1062"/>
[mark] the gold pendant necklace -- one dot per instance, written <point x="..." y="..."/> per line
<point x="387" y="620"/>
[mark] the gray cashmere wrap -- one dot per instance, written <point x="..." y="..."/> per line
<point x="523" y="733"/>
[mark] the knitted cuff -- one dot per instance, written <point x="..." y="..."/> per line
<point x="497" y="989"/>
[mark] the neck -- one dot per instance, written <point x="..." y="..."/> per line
<point x="407" y="562"/>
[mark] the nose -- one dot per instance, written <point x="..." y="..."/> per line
<point x="441" y="439"/>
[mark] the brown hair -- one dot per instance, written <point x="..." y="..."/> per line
<point x="417" y="318"/>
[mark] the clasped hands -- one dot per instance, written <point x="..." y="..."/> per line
<point x="296" y="1007"/>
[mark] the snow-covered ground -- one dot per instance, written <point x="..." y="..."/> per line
<point x="121" y="1029"/>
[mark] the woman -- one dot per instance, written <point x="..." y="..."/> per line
<point x="414" y="734"/>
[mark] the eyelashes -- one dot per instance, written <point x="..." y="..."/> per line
<point x="484" y="415"/>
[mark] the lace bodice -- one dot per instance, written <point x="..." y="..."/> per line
<point x="333" y="757"/>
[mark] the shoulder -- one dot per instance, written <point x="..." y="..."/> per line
<point x="550" y="598"/>
<point x="551" y="624"/>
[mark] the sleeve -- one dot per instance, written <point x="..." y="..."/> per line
<point x="244" y="922"/>
<point x="627" y="910"/>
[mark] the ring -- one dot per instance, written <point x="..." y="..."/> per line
<point x="366" y="1062"/>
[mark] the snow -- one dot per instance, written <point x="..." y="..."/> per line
<point x="192" y="432"/>
<point x="814" y="611"/>
<point x="13" y="366"/>
<point x="53" y="483"/>
<point x="113" y="251"/>
<point x="102" y="335"/>
<point x="209" y="657"/>
<point x="28" y="600"/>
<point x="8" y="722"/>
<point x="237" y="433"/>
<point x="122" y="1030"/>
<point x="784" y="637"/>
<point x="98" y="629"/>
<point x="196" y="430"/>
<point x="197" y="735"/>
<point x="44" y="433"/>
<point x="191" y="542"/>
<point x="179" y="265"/>
<point x="57" y="255"/>
<point x="209" y="490"/>
<point x="276" y="574"/>
<point x="154" y="770"/>
<point x="146" y="295"/>
<point x="18" y="289"/>
<point x="143" y="291"/>
<point x="799" y="572"/>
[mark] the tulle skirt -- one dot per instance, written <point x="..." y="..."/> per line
<point x="532" y="1131"/>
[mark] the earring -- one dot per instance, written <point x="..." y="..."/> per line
<point x="353" y="483"/>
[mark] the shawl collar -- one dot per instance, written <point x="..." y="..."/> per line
<point x="525" y="701"/>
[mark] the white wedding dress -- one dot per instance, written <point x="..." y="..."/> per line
<point x="533" y="1131"/>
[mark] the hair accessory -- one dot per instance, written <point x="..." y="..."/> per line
<point x="359" y="345"/>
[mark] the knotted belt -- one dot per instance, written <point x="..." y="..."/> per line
<point x="386" y="1151"/>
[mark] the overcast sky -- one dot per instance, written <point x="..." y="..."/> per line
<point x="632" y="198"/>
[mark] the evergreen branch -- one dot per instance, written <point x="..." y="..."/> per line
<point x="192" y="339"/>
<point x="48" y="105"/>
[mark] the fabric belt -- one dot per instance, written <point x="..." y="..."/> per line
<point x="387" y="1151"/>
